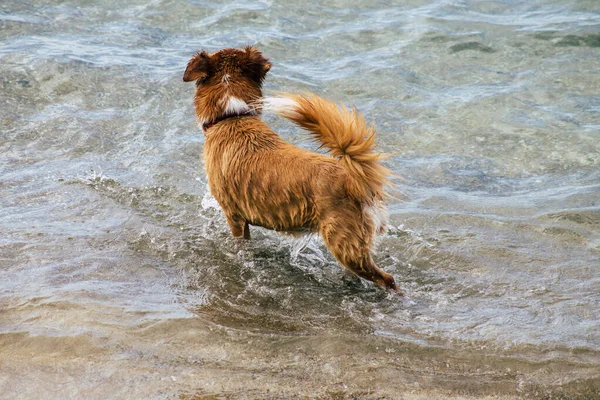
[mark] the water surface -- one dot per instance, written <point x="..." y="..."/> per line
<point x="118" y="275"/>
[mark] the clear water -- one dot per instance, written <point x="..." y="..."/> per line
<point x="118" y="276"/>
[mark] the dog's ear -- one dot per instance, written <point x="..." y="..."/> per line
<point x="255" y="65"/>
<point x="199" y="67"/>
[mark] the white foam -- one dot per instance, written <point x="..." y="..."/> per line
<point x="209" y="202"/>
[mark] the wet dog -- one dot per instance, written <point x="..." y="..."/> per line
<point x="260" y="179"/>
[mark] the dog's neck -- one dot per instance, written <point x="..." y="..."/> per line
<point x="228" y="107"/>
<point x="207" y="125"/>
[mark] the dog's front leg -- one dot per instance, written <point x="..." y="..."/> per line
<point x="239" y="226"/>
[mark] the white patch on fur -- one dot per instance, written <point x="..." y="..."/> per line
<point x="280" y="105"/>
<point x="225" y="78"/>
<point x="378" y="215"/>
<point x="236" y="106"/>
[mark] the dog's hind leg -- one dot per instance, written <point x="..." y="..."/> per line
<point x="347" y="243"/>
<point x="239" y="227"/>
<point x="366" y="268"/>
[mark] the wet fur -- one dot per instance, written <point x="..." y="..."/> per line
<point x="260" y="179"/>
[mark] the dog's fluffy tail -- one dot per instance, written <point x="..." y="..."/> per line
<point x="344" y="133"/>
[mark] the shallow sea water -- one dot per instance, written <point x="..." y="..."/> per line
<point x="118" y="275"/>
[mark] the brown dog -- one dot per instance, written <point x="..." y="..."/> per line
<point x="260" y="179"/>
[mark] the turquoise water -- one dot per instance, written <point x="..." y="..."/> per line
<point x="118" y="275"/>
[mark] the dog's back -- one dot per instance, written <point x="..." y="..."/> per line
<point x="345" y="134"/>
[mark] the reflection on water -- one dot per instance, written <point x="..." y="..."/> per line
<point x="119" y="278"/>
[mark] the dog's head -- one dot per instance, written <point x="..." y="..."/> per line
<point x="228" y="81"/>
